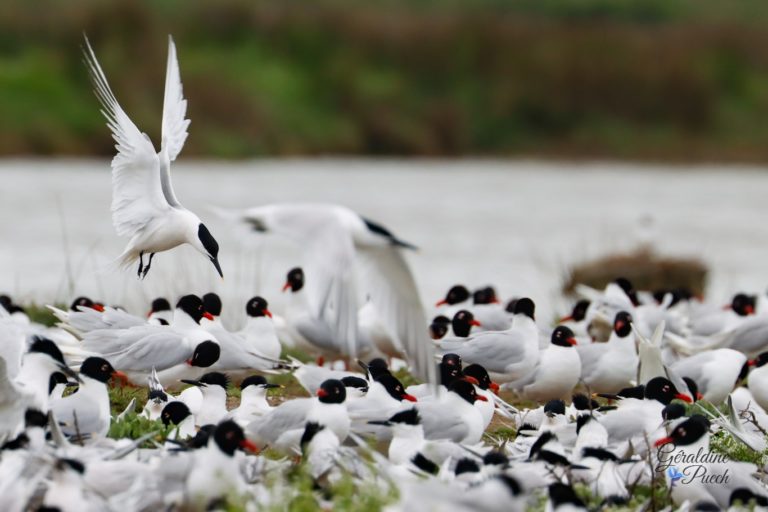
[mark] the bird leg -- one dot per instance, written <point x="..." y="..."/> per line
<point x="141" y="263"/>
<point x="149" y="264"/>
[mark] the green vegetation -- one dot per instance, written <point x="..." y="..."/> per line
<point x="121" y="396"/>
<point x="643" y="79"/>
<point x="134" y="426"/>
<point x="725" y="444"/>
<point x="41" y="314"/>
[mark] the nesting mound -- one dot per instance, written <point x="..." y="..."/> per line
<point x="644" y="268"/>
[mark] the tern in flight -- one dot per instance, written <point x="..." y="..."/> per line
<point x="144" y="206"/>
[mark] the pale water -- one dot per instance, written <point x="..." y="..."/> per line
<point x="517" y="225"/>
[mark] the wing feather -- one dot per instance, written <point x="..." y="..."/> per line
<point x="392" y="289"/>
<point x="175" y="124"/>
<point x="159" y="351"/>
<point x="331" y="282"/>
<point x="329" y="256"/>
<point x="137" y="195"/>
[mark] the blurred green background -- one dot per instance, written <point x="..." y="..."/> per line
<point x="673" y="80"/>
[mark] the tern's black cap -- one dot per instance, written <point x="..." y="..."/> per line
<point x="174" y="413"/>
<point x="212" y="303"/>
<point x="45" y="346"/>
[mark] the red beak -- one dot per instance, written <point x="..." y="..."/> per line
<point x="322" y="393"/>
<point x="472" y="380"/>
<point x="286" y="286"/>
<point x="495" y="301"/>
<point x="208" y="316"/>
<point x="699" y="396"/>
<point x="619" y="325"/>
<point x="494" y="387"/>
<point x="98" y="307"/>
<point x="410" y="398"/>
<point x="565" y="319"/>
<point x="752" y="362"/>
<point x="266" y="312"/>
<point x="572" y="341"/>
<point x="475" y="323"/>
<point x="726" y="307"/>
<point x="749" y="309"/>
<point x="481" y="398"/>
<point x="150" y="313"/>
<point x="663" y="441"/>
<point x="684" y="398"/>
<point x="442" y="302"/>
<point x="189" y="362"/>
<point x="123" y="378"/>
<point x="248" y="445"/>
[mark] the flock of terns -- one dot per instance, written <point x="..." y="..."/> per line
<point x="624" y="393"/>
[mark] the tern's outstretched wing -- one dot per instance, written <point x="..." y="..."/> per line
<point x="328" y="254"/>
<point x="387" y="279"/>
<point x="329" y="265"/>
<point x="175" y="124"/>
<point x="137" y="195"/>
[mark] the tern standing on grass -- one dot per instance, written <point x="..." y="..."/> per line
<point x="144" y="206"/>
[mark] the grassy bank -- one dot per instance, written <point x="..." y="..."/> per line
<point x="680" y="80"/>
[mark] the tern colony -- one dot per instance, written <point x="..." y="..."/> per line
<point x="614" y="391"/>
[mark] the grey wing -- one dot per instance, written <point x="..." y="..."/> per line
<point x="393" y="292"/>
<point x="691" y="367"/>
<point x="289" y="415"/>
<point x="234" y="355"/>
<point x="495" y="351"/>
<point x="161" y="351"/>
<point x="86" y="320"/>
<point x="525" y="380"/>
<point x="439" y="425"/>
<point x="750" y="338"/>
<point x="109" y="341"/>
<point x="119" y="319"/>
